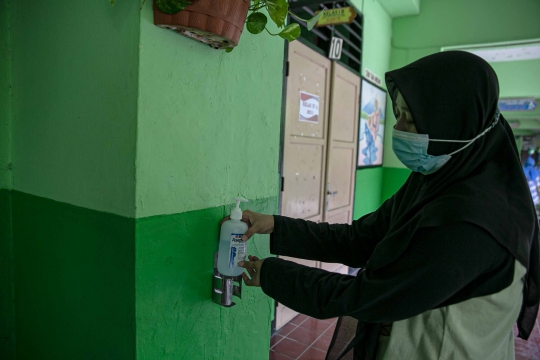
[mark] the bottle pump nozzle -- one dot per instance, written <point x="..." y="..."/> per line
<point x="236" y="213"/>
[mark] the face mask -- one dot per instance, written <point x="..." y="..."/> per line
<point x="411" y="149"/>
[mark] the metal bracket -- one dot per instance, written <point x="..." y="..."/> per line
<point x="224" y="287"/>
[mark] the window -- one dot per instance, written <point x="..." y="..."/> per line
<point x="319" y="38"/>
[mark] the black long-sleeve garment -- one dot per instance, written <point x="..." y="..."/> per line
<point x="440" y="267"/>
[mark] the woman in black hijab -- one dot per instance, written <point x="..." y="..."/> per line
<point x="449" y="262"/>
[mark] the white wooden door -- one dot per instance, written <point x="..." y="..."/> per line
<point x="319" y="147"/>
<point x="342" y="147"/>
<point x="305" y="144"/>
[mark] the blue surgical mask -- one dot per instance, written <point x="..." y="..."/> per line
<point x="411" y="149"/>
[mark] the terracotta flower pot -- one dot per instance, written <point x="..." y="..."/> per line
<point x="218" y="23"/>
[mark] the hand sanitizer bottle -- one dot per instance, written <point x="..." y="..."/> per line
<point x="231" y="247"/>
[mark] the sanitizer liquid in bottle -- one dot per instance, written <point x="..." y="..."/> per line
<point x="231" y="247"/>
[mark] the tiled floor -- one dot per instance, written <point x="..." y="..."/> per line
<point x="304" y="338"/>
<point x="530" y="349"/>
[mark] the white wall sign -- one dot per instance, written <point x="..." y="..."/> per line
<point x="309" y="107"/>
<point x="373" y="78"/>
<point x="335" y="48"/>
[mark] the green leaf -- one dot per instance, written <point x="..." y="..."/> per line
<point x="291" y="32"/>
<point x="311" y="22"/>
<point x="256" y="22"/>
<point x="112" y="2"/>
<point x="277" y="9"/>
<point x="228" y="50"/>
<point x="172" y="6"/>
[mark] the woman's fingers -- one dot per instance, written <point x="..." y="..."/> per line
<point x="249" y="233"/>
<point x="250" y="270"/>
<point x="253" y="267"/>
<point x="250" y="282"/>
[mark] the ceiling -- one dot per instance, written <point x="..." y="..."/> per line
<point x="397" y="8"/>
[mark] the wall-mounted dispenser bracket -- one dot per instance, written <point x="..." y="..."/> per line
<point x="224" y="287"/>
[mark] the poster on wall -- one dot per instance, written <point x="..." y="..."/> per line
<point x="371" y="129"/>
<point x="309" y="108"/>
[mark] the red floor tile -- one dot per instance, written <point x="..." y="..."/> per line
<point x="303" y="335"/>
<point x="275" y="339"/>
<point x="322" y="343"/>
<point x="290" y="348"/>
<point x="313" y="354"/>
<point x="298" y="319"/>
<point x="330" y="331"/>
<point x="286" y="329"/>
<point x="277" y="356"/>
<point x="318" y="326"/>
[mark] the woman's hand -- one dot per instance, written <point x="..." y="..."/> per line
<point x="257" y="223"/>
<point x="253" y="266"/>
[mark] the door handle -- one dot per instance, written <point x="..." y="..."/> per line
<point x="333" y="193"/>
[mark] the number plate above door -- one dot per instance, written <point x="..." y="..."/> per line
<point x="335" y="48"/>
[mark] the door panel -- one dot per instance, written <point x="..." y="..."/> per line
<point x="309" y="72"/>
<point x="304" y="177"/>
<point x="342" y="147"/>
<point x="304" y="146"/>
<point x="345" y="93"/>
<point x="342" y="140"/>
<point x="318" y="152"/>
<point x="340" y="217"/>
<point x="341" y="166"/>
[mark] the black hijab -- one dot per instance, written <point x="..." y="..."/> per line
<point x="453" y="96"/>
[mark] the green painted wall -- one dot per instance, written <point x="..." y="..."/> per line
<point x="401" y="7"/>
<point x="377" y="39"/>
<point x="5" y="94"/>
<point x="461" y="22"/>
<point x="176" y="318"/>
<point x="111" y="113"/>
<point x="208" y="130"/>
<point x="376" y="56"/>
<point x="393" y="179"/>
<point x="75" y="101"/>
<point x="464" y="22"/>
<point x="519" y="78"/>
<point x="74" y="281"/>
<point x="208" y="121"/>
<point x="7" y="304"/>
<point x="68" y="102"/>
<point x="367" y="194"/>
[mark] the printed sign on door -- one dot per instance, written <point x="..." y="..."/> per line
<point x="309" y="107"/>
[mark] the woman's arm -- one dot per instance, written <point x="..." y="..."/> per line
<point x="351" y="245"/>
<point x="437" y="265"/>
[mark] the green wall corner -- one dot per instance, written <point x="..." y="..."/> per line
<point x="93" y="285"/>
<point x="176" y="318"/>
<point x="74" y="281"/>
<point x="74" y="101"/>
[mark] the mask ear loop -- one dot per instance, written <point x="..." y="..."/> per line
<point x="495" y="122"/>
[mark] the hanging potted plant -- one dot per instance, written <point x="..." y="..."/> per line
<point x="219" y="23"/>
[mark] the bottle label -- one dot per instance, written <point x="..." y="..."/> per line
<point x="237" y="252"/>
